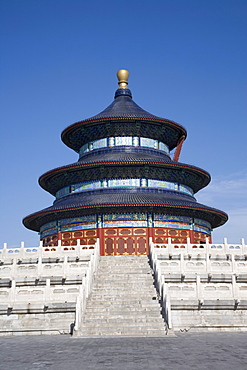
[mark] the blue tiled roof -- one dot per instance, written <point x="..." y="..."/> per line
<point x="125" y="154"/>
<point x="108" y="162"/>
<point x="104" y="200"/>
<point x="126" y="196"/>
<point x="123" y="107"/>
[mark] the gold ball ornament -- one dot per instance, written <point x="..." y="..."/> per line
<point x="123" y="76"/>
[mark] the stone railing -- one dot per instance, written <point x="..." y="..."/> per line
<point x="34" y="276"/>
<point x="191" y="248"/>
<point x="22" y="251"/>
<point x="200" y="276"/>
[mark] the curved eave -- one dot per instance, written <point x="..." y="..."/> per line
<point x="129" y="203"/>
<point x="106" y="128"/>
<point x="66" y="172"/>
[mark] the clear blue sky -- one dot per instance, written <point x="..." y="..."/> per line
<point x="59" y="58"/>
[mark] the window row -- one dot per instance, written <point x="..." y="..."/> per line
<point x="124" y="141"/>
<point x="150" y="183"/>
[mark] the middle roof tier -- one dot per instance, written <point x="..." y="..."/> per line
<point x="124" y="162"/>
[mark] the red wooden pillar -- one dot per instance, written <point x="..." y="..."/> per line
<point x="59" y="236"/>
<point x="192" y="240"/>
<point x="101" y="241"/>
<point x="150" y="235"/>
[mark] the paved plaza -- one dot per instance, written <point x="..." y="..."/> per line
<point x="214" y="351"/>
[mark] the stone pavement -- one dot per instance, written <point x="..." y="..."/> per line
<point x="214" y="351"/>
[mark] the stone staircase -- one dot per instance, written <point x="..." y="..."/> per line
<point x="123" y="300"/>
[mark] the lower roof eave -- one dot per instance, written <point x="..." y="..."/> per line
<point x="34" y="221"/>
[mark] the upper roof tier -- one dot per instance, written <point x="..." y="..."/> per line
<point x="123" y="117"/>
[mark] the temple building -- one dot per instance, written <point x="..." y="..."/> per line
<point x="125" y="188"/>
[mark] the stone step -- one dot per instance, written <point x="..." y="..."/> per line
<point x="148" y="292"/>
<point x="122" y="304"/>
<point x="119" y="307"/>
<point x="123" y="300"/>
<point x="145" y="294"/>
<point x="136" y="295"/>
<point x="124" y="324"/>
<point x="119" y="310"/>
<point x="131" y="270"/>
<point x="119" y="314"/>
<point x="134" y="267"/>
<point x="137" y="291"/>
<point x="122" y="282"/>
<point x="112" y="331"/>
<point x="134" y="258"/>
<point x="141" y="264"/>
<point x="118" y="279"/>
<point x="130" y="262"/>
<point x="123" y="275"/>
<point x="124" y="262"/>
<point x="124" y="258"/>
<point x="123" y="287"/>
<point x="137" y="265"/>
<point x="122" y="320"/>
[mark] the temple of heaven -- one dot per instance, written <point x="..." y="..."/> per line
<point x="125" y="187"/>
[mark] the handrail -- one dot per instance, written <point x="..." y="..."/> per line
<point x="86" y="288"/>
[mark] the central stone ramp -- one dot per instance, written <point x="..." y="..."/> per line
<point x="123" y="300"/>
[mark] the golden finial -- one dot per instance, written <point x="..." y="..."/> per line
<point x="123" y="76"/>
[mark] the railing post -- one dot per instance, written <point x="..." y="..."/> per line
<point x="169" y="245"/>
<point x="48" y="290"/>
<point x="168" y="311"/>
<point x="182" y="263"/>
<point x="208" y="263"/>
<point x="65" y="267"/>
<point x="234" y="287"/>
<point x="4" y="254"/>
<point x="207" y="245"/>
<point x="39" y="272"/>
<point x="225" y="244"/>
<point x="14" y="269"/>
<point x="188" y="245"/>
<point x="12" y="292"/>
<point x="59" y="248"/>
<point x="233" y="264"/>
<point x="77" y="312"/>
<point x="243" y="246"/>
<point x="198" y="288"/>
